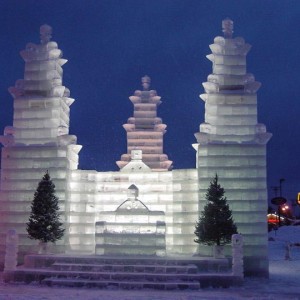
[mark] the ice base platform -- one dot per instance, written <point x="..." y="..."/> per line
<point x="125" y="272"/>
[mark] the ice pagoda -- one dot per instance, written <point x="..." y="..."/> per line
<point x="146" y="207"/>
<point x="39" y="139"/>
<point x="232" y="143"/>
<point x="145" y="130"/>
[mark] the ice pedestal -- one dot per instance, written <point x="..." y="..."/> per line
<point x="131" y="230"/>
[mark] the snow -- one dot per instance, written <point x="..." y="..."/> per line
<point x="282" y="284"/>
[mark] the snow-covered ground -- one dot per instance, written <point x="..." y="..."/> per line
<point x="282" y="284"/>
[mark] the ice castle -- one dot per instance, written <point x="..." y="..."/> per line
<point x="146" y="207"/>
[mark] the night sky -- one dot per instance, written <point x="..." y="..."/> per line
<point x="111" y="44"/>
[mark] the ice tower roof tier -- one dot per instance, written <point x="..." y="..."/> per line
<point x="41" y="102"/>
<point x="145" y="130"/>
<point x="230" y="95"/>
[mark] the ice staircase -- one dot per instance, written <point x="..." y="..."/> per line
<point x="124" y="272"/>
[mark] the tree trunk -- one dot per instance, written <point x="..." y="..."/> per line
<point x="218" y="251"/>
<point x="43" y="247"/>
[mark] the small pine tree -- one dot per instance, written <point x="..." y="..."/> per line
<point x="215" y="225"/>
<point x="44" y="221"/>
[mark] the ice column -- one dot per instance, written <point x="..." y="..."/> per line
<point x="145" y="130"/>
<point x="12" y="243"/>
<point x="232" y="144"/>
<point x="39" y="139"/>
<point x="237" y="255"/>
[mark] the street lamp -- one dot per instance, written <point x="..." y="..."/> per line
<point x="279" y="200"/>
<point x="281" y="180"/>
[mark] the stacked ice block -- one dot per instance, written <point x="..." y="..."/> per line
<point x="38" y="140"/>
<point x="145" y="130"/>
<point x="232" y="144"/>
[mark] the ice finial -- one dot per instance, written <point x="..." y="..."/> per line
<point x="146" y="80"/>
<point x="45" y="33"/>
<point x="227" y="28"/>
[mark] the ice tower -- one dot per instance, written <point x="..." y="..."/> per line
<point x="232" y="144"/>
<point x="145" y="130"/>
<point x="38" y="140"/>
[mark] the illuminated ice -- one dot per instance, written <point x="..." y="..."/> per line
<point x="145" y="130"/>
<point x="232" y="143"/>
<point x="131" y="229"/>
<point x="39" y="139"/>
<point x="100" y="215"/>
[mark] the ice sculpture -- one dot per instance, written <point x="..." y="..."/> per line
<point x="39" y="139"/>
<point x="95" y="197"/>
<point x="230" y="142"/>
<point x="145" y="130"/>
<point x="131" y="229"/>
<point x="233" y="144"/>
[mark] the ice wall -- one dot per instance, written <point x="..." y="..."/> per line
<point x="232" y="144"/>
<point x="93" y="195"/>
<point x="145" y="130"/>
<point x="39" y="139"/>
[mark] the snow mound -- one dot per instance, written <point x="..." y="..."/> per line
<point x="287" y="234"/>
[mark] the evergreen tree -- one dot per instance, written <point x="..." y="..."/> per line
<point x="215" y="225"/>
<point x="44" y="221"/>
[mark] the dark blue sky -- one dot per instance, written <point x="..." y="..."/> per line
<point x="111" y="44"/>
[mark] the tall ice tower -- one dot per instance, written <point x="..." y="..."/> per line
<point x="232" y="144"/>
<point x="145" y="130"/>
<point x="39" y="139"/>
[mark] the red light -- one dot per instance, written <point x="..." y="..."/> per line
<point x="273" y="219"/>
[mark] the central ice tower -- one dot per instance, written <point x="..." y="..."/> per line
<point x="232" y="144"/>
<point x="145" y="130"/>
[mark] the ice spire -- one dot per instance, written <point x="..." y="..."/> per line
<point x="45" y="33"/>
<point x="145" y="130"/>
<point x="45" y="96"/>
<point x="227" y="28"/>
<point x="146" y="81"/>
<point x="231" y="82"/>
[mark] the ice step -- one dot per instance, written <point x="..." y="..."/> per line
<point x="122" y="284"/>
<point x="125" y="272"/>
<point x="29" y="275"/>
<point x="188" y="269"/>
<point x="48" y="260"/>
<point x="122" y="280"/>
